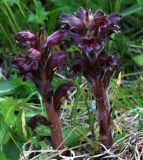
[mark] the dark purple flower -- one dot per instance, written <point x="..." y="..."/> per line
<point x="55" y="38"/>
<point x="54" y="62"/>
<point x="22" y="64"/>
<point x="28" y="39"/>
<point x="100" y="68"/>
<point x="38" y="119"/>
<point x="90" y="30"/>
<point x="25" y="44"/>
<point x="61" y="92"/>
<point x="25" y="39"/>
<point x="25" y="36"/>
<point x="34" y="54"/>
<point x="108" y="62"/>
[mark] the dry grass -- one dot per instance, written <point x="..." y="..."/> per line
<point x="129" y="147"/>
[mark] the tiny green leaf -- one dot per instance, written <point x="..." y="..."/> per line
<point x="138" y="59"/>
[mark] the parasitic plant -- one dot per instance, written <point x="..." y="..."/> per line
<point x="39" y="65"/>
<point x="89" y="31"/>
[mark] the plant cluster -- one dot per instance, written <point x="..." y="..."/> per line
<point x="89" y="31"/>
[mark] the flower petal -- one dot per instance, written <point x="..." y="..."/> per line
<point x="110" y="68"/>
<point x="55" y="60"/>
<point x="34" y="54"/>
<point x="88" y="45"/>
<point x="55" y="38"/>
<point x="116" y="29"/>
<point x="114" y="17"/>
<point x="22" y="64"/>
<point x="27" y="75"/>
<point x="80" y="13"/>
<point x="25" y="44"/>
<point x="108" y="62"/>
<point x="100" y="20"/>
<point x="60" y="93"/>
<point x="25" y="36"/>
<point x="74" y="23"/>
<point x="115" y="61"/>
<point x="34" y="65"/>
<point x="98" y="13"/>
<point x="38" y="119"/>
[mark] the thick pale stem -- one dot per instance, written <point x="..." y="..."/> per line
<point x="54" y="120"/>
<point x="104" y="114"/>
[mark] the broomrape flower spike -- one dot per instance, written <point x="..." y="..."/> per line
<point x="39" y="65"/>
<point x="89" y="31"/>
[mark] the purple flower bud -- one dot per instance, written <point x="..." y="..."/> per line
<point x="55" y="38"/>
<point x="25" y="36"/>
<point x="34" y="54"/>
<point x="22" y="64"/>
<point x="25" y="44"/>
<point x="27" y="75"/>
<point x="114" y="17"/>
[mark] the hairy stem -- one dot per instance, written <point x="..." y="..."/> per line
<point x="55" y="127"/>
<point x="104" y="113"/>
